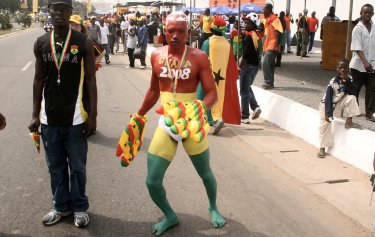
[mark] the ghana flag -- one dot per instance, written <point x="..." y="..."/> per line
<point x="225" y="72"/>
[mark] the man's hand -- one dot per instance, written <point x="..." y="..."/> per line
<point x="368" y="67"/>
<point x="2" y="122"/>
<point x="34" y="124"/>
<point x="90" y="126"/>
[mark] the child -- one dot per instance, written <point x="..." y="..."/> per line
<point x="340" y="96"/>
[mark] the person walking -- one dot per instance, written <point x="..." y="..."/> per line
<point x="362" y="64"/>
<point x="313" y="27"/>
<point x="273" y="29"/>
<point x="132" y="41"/>
<point x="64" y="62"/>
<point x="111" y="35"/>
<point x="104" y="42"/>
<point x="249" y="66"/>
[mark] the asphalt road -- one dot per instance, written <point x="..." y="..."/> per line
<point x="256" y="198"/>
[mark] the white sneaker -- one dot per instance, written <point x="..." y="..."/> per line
<point x="257" y="112"/>
<point x="54" y="216"/>
<point x="81" y="219"/>
<point x="142" y="67"/>
<point x="245" y="121"/>
<point x="218" y="125"/>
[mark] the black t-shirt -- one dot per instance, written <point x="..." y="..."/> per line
<point x="64" y="104"/>
<point x="250" y="54"/>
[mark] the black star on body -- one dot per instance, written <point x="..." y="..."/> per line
<point x="218" y="77"/>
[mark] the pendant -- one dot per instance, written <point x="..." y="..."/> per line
<point x="58" y="79"/>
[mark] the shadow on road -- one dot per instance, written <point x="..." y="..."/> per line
<point x="111" y="142"/>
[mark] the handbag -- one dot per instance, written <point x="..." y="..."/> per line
<point x="138" y="52"/>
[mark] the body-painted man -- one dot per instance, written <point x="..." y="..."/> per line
<point x="193" y="67"/>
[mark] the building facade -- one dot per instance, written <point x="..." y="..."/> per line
<point x="234" y="3"/>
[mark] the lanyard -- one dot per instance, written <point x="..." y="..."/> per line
<point x="59" y="61"/>
<point x="177" y="73"/>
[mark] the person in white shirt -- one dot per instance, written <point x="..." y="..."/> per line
<point x="132" y="41"/>
<point x="104" y="42"/>
<point x="124" y="32"/>
<point x="362" y="64"/>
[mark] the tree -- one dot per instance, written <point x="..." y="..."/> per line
<point x="11" y="5"/>
<point x="41" y="4"/>
<point x="80" y="8"/>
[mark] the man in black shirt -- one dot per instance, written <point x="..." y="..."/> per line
<point x="64" y="63"/>
<point x="249" y="66"/>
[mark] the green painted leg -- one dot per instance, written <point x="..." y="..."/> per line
<point x="201" y="163"/>
<point x="156" y="167"/>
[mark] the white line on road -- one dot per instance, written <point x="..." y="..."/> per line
<point x="26" y="66"/>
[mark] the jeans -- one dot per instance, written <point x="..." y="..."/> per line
<point x="111" y="41"/>
<point x="143" y="59"/>
<point x="131" y="57"/>
<point x="66" y="154"/>
<point x="107" y="51"/>
<point x="247" y="76"/>
<point x="367" y="79"/>
<point x="311" y="40"/>
<point x="269" y="67"/>
<point x="124" y="40"/>
<point x="117" y="40"/>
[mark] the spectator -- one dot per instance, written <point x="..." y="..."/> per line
<point x="236" y="40"/>
<point x="142" y="41"/>
<point x="132" y="41"/>
<point x="124" y="25"/>
<point x="104" y="42"/>
<point x="288" y="18"/>
<point x="94" y="30"/>
<point x="313" y="27"/>
<point x="362" y="64"/>
<point x="118" y="35"/>
<point x="330" y="17"/>
<point x="111" y="35"/>
<point x="339" y="97"/>
<point x="282" y="40"/>
<point x="64" y="126"/>
<point x="302" y="34"/>
<point x="205" y="24"/>
<point x="273" y="29"/>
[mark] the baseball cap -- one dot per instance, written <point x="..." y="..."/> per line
<point x="76" y="19"/>
<point x="53" y="2"/>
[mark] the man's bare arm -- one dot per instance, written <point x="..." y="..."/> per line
<point x="366" y="63"/>
<point x="152" y="95"/>
<point x="90" y="78"/>
<point x="207" y="81"/>
<point x="37" y="90"/>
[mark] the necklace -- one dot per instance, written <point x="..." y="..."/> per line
<point x="177" y="73"/>
<point x="59" y="61"/>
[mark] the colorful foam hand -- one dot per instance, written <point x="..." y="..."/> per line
<point x="189" y="119"/>
<point x="131" y="139"/>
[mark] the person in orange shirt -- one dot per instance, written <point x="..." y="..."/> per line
<point x="313" y="27"/>
<point x="288" y="18"/>
<point x="273" y="29"/>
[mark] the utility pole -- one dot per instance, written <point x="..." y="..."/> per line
<point x="288" y="5"/>
<point x="349" y="32"/>
<point x="334" y="3"/>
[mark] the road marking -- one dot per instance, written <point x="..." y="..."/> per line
<point x="26" y="66"/>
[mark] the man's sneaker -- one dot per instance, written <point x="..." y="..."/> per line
<point x="107" y="61"/>
<point x="54" y="216"/>
<point x="267" y="86"/>
<point x="81" y="219"/>
<point x="257" y="112"/>
<point x="245" y="121"/>
<point x="218" y="125"/>
<point x="142" y="67"/>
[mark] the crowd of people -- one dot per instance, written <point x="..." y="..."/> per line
<point x="65" y="92"/>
